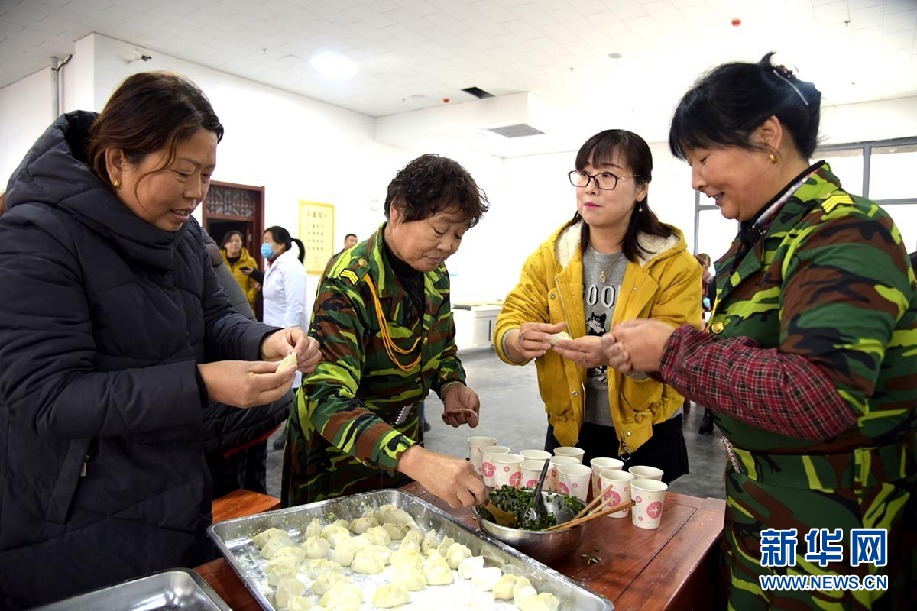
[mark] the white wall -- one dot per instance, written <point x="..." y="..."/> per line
<point x="25" y="112"/>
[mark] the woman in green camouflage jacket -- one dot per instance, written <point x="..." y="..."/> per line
<point x="810" y="363"/>
<point x="384" y="322"/>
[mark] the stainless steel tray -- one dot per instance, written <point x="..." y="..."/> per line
<point x="170" y="590"/>
<point x="234" y="538"/>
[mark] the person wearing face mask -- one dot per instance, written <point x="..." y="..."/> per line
<point x="384" y="322"/>
<point x="114" y="340"/>
<point x="810" y="360"/>
<point x="612" y="261"/>
<point x="284" y="283"/>
<point x="242" y="265"/>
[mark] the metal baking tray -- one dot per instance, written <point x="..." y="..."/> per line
<point x="234" y="538"/>
<point x="172" y="590"/>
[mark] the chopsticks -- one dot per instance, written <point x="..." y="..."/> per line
<point x="591" y="516"/>
<point x="598" y="501"/>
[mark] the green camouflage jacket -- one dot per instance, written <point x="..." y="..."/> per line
<point x="342" y="436"/>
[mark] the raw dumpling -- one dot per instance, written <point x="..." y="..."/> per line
<point x="469" y="566"/>
<point x="264" y="536"/>
<point x="523" y="590"/>
<point x="456" y="553"/>
<point x="324" y="582"/>
<point x="314" y="568"/>
<point x="485" y="578"/>
<point x="411" y="577"/>
<point x="288" y="362"/>
<point x="540" y="602"/>
<point x="287" y="588"/>
<point x="300" y="603"/>
<point x="396" y="531"/>
<point x="377" y="535"/>
<point x="270" y="548"/>
<point x="280" y="568"/>
<point x="430" y="542"/>
<point x="389" y="514"/>
<point x="445" y="545"/>
<point x="361" y="525"/>
<point x="368" y="562"/>
<point x="313" y="529"/>
<point x="336" y="528"/>
<point x="503" y="589"/>
<point x="343" y="552"/>
<point x="390" y="595"/>
<point x="406" y="557"/>
<point x="342" y="596"/>
<point x="557" y="337"/>
<point x="437" y="571"/>
<point x="414" y="537"/>
<point x="316" y="547"/>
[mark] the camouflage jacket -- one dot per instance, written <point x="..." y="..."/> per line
<point x="830" y="281"/>
<point x="378" y="356"/>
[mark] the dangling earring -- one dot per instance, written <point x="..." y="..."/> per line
<point x="772" y="157"/>
<point x="116" y="183"/>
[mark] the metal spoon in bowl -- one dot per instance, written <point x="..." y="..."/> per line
<point x="539" y="512"/>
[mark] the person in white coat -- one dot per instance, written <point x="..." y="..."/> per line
<point x="284" y="284"/>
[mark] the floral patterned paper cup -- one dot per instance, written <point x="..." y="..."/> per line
<point x="552" y="480"/>
<point x="531" y="471"/>
<point x="507" y="470"/>
<point x="619" y="481"/>
<point x="642" y="472"/>
<point x="602" y="462"/>
<point x="536" y="454"/>
<point x="487" y="462"/>
<point x="570" y="451"/>
<point x="574" y="480"/>
<point x="649" y="497"/>
<point x="475" y="443"/>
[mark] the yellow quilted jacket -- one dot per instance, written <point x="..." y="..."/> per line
<point x="665" y="286"/>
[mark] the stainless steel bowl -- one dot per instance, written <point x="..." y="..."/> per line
<point x="545" y="546"/>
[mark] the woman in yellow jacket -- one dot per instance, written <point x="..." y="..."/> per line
<point x="241" y="264"/>
<point x="612" y="262"/>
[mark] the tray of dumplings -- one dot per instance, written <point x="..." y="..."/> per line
<point x="387" y="549"/>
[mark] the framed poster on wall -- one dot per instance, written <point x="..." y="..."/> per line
<point x="316" y="230"/>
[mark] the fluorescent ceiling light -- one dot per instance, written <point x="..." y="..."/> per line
<point x="333" y="64"/>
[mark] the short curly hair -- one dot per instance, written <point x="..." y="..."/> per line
<point x="432" y="183"/>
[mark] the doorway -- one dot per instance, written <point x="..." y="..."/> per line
<point x="231" y="206"/>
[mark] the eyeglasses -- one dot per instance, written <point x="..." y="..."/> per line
<point x="603" y="180"/>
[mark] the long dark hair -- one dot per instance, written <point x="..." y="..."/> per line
<point x="282" y="236"/>
<point x="149" y="111"/>
<point x="726" y="105"/>
<point x="636" y="154"/>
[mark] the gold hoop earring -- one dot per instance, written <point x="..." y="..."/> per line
<point x="116" y="183"/>
<point x="772" y="157"/>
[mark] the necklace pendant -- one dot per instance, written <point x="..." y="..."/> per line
<point x="602" y="276"/>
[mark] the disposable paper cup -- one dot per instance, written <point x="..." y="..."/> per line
<point x="487" y="462"/>
<point x="649" y="497"/>
<point x="641" y="472"/>
<point x="602" y="462"/>
<point x="574" y="480"/>
<point x="507" y="470"/>
<point x="475" y="444"/>
<point x="570" y="451"/>
<point x="531" y="471"/>
<point x="552" y="477"/>
<point x="620" y="482"/>
<point x="535" y="454"/>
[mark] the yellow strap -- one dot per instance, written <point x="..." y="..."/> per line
<point x="387" y="341"/>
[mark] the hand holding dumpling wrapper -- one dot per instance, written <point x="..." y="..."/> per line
<point x="288" y="362"/>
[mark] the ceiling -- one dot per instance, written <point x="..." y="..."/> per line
<point x="420" y="54"/>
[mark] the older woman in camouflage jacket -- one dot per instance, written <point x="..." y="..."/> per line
<point x="384" y="322"/>
<point x="809" y="366"/>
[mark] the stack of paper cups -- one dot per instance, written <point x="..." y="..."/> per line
<point x="552" y="470"/>
<point x="619" y="483"/>
<point x="507" y="470"/>
<point x="487" y="462"/>
<point x="475" y="444"/>
<point x="602" y="462"/>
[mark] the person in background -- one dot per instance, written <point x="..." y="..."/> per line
<point x="709" y="294"/>
<point x="114" y="339"/>
<point x="284" y="284"/>
<point x="242" y="265"/>
<point x="235" y="440"/>
<point x="612" y="261"/>
<point x="384" y="322"/>
<point x="349" y="240"/>
<point x="811" y="352"/>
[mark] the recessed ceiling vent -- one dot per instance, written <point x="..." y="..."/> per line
<point x="478" y="92"/>
<point x="516" y="130"/>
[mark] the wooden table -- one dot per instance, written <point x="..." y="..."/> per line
<point x="673" y="567"/>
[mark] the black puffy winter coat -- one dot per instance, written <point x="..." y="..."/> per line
<point x="103" y="321"/>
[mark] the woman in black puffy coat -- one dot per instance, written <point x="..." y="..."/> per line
<point x="114" y="337"/>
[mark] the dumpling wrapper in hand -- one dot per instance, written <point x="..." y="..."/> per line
<point x="288" y="362"/>
<point x="559" y="336"/>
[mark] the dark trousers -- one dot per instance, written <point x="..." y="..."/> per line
<point x="665" y="450"/>
<point x="245" y="469"/>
